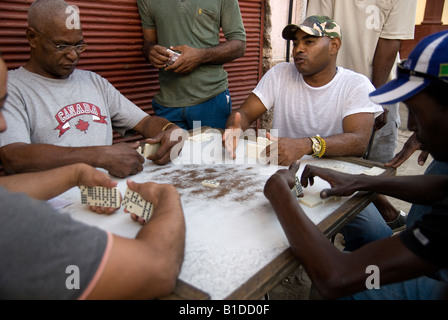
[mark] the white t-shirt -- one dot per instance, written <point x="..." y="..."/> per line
<point x="304" y="111"/>
<point x="74" y="112"/>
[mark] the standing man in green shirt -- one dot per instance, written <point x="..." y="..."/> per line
<point x="193" y="82"/>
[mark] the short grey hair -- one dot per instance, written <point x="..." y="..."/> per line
<point x="43" y="13"/>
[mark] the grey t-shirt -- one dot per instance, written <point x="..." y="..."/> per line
<point x="74" y="112"/>
<point x="40" y="250"/>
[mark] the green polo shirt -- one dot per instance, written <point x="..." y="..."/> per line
<point x="195" y="23"/>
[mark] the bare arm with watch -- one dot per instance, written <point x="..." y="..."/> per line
<point x="310" y="97"/>
<point x="352" y="142"/>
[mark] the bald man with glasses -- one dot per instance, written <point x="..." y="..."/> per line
<point x="59" y="115"/>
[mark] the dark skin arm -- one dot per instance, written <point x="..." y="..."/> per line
<point x="352" y="142"/>
<point x="383" y="62"/>
<point x="48" y="184"/>
<point x="408" y="149"/>
<point x="424" y="189"/>
<point x="120" y="160"/>
<point x="335" y="273"/>
<point x="190" y="58"/>
<point x="147" y="267"/>
<point x="45" y="185"/>
<point x="143" y="268"/>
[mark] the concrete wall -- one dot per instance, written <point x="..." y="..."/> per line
<point x="277" y="14"/>
<point x="275" y="47"/>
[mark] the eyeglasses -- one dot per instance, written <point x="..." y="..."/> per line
<point x="65" y="48"/>
<point x="403" y="70"/>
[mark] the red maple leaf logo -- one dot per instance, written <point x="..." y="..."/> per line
<point x="82" y="126"/>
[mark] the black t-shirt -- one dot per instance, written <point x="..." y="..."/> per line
<point x="428" y="237"/>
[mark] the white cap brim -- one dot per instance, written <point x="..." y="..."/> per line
<point x="398" y="90"/>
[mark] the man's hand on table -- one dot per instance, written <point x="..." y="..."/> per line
<point x="408" y="149"/>
<point x="342" y="184"/>
<point x="121" y="159"/>
<point x="172" y="141"/>
<point x="285" y="151"/>
<point x="232" y="135"/>
<point x="287" y="176"/>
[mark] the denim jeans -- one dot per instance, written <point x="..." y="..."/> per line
<point x="421" y="288"/>
<point x="366" y="227"/>
<point x="212" y="113"/>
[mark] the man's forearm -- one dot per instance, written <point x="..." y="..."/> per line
<point x="345" y="145"/>
<point x="43" y="185"/>
<point x="384" y="60"/>
<point x="37" y="157"/>
<point x="224" y="52"/>
<point x="152" y="126"/>
<point x="415" y="189"/>
<point x="165" y="232"/>
<point x="147" y="46"/>
<point x="302" y="234"/>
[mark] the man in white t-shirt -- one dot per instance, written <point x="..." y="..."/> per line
<point x="319" y="109"/>
<point x="373" y="31"/>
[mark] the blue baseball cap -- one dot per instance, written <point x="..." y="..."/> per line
<point x="428" y="62"/>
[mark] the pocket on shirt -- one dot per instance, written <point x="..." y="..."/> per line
<point x="206" y="26"/>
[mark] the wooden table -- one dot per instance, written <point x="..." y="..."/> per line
<point x="235" y="246"/>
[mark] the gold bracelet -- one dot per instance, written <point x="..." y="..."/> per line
<point x="323" y="146"/>
<point x="166" y="126"/>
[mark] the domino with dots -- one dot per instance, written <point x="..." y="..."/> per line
<point x="297" y="190"/>
<point x="134" y="203"/>
<point x="100" y="196"/>
<point x="210" y="183"/>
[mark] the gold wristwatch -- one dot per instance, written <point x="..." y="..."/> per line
<point x="316" y="146"/>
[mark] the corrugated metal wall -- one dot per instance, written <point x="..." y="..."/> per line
<point x="113" y="32"/>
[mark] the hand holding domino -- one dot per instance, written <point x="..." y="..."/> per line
<point x="297" y="190"/>
<point x="134" y="203"/>
<point x="101" y="196"/>
<point x="148" y="149"/>
<point x="111" y="198"/>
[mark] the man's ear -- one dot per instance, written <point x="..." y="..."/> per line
<point x="31" y="37"/>
<point x="335" y="45"/>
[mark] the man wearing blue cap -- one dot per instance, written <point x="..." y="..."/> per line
<point x="413" y="264"/>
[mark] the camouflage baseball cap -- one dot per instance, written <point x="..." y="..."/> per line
<point x="319" y="26"/>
